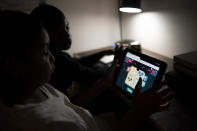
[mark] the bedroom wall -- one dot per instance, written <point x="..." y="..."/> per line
<point x="93" y="24"/>
<point x="167" y="27"/>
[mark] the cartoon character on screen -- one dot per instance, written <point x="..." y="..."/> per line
<point x="133" y="76"/>
<point x="141" y="74"/>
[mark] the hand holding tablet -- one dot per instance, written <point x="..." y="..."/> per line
<point x="140" y="77"/>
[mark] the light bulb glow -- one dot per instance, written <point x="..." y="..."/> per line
<point x="130" y="10"/>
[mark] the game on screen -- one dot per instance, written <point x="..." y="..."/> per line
<point x="132" y="69"/>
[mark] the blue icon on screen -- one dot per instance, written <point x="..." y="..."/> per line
<point x="145" y="78"/>
<point x="141" y="73"/>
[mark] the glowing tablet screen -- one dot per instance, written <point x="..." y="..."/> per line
<point x="132" y="69"/>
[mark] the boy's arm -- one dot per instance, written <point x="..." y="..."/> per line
<point x="94" y="58"/>
<point x="97" y="88"/>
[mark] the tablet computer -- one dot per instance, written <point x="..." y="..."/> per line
<point x="136" y="65"/>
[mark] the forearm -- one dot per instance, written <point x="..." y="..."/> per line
<point x="89" y="94"/>
<point x="99" y="87"/>
<point x="91" y="59"/>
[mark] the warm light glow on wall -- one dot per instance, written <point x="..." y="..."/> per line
<point x="151" y="29"/>
<point x="148" y="25"/>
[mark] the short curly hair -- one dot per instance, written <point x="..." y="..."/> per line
<point x="48" y="15"/>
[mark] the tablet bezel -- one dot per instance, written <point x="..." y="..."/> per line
<point x="162" y="67"/>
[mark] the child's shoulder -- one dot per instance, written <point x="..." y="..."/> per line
<point x="50" y="90"/>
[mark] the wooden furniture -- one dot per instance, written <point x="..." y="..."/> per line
<point x="168" y="60"/>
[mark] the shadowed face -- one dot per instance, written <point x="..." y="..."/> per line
<point x="25" y="57"/>
<point x="39" y="65"/>
<point x="60" y="37"/>
<point x="56" y="24"/>
<point x="25" y="60"/>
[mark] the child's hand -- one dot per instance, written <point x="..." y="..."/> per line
<point x="151" y="101"/>
<point x="111" y="74"/>
<point x="119" y="53"/>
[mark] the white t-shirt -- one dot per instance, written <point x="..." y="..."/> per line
<point x="56" y="113"/>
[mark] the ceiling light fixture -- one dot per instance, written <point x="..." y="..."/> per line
<point x="130" y="6"/>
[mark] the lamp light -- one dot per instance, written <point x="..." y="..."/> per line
<point x="130" y="6"/>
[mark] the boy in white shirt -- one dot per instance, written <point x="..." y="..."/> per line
<point x="27" y="103"/>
